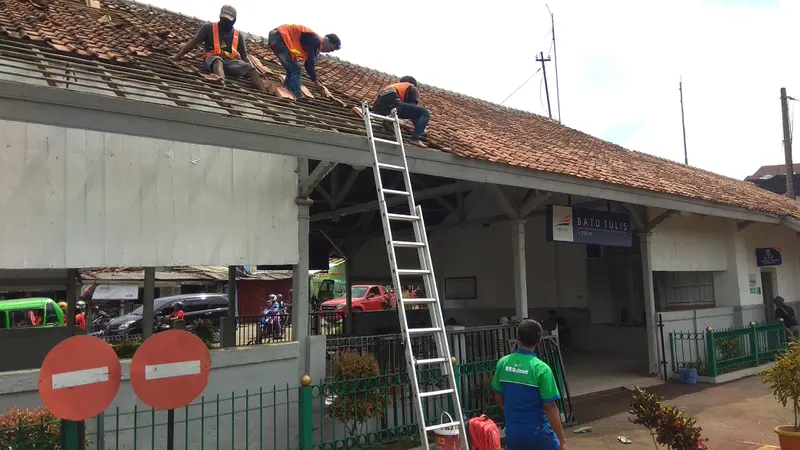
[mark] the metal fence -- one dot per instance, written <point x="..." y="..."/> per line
<point x="715" y="352"/>
<point x="325" y="323"/>
<point x="263" y="329"/>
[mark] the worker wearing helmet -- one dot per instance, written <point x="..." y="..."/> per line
<point x="80" y="316"/>
<point x="63" y="306"/>
<point x="292" y="43"/>
<point x="178" y="313"/>
<point x="404" y="97"/>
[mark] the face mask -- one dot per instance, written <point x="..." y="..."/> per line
<point x="225" y="25"/>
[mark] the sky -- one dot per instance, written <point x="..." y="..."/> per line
<point x="619" y="62"/>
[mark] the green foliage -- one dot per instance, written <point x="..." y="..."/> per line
<point x="126" y="349"/>
<point x="668" y="425"/>
<point x="204" y="329"/>
<point x="729" y="348"/>
<point x="24" y="429"/>
<point x="784" y="379"/>
<point x="363" y="400"/>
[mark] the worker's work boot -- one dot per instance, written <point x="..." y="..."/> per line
<point x="387" y="127"/>
<point x="418" y="143"/>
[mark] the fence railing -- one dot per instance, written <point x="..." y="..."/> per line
<point x="327" y="323"/>
<point x="715" y="352"/>
<point x="263" y="329"/>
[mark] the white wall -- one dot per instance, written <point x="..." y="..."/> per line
<point x="74" y="198"/>
<point x="787" y="275"/>
<point x="692" y="243"/>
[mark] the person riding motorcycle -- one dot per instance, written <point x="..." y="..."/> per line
<point x="80" y="314"/>
<point x="177" y="314"/>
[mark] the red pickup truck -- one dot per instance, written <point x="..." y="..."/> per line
<point x="365" y="298"/>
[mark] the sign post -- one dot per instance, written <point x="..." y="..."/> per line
<point x="588" y="226"/>
<point x="170" y="370"/>
<point x="78" y="380"/>
<point x="769" y="257"/>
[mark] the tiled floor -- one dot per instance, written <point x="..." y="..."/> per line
<point x="589" y="373"/>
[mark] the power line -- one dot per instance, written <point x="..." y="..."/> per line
<point x="521" y="86"/>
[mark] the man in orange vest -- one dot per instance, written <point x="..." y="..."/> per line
<point x="404" y="96"/>
<point x="226" y="52"/>
<point x="294" y="42"/>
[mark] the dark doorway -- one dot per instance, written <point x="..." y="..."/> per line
<point x="768" y="292"/>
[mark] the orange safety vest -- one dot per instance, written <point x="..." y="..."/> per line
<point x="291" y="37"/>
<point x="218" y="48"/>
<point x="401" y="89"/>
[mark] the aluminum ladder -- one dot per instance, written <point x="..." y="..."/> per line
<point x="420" y="243"/>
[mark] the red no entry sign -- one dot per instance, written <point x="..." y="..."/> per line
<point x="79" y="378"/>
<point x="170" y="369"/>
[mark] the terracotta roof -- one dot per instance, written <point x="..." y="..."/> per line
<point x="121" y="48"/>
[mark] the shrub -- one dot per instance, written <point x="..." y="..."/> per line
<point x="126" y="349"/>
<point x="668" y="425"/>
<point x="24" y="429"/>
<point x="784" y="379"/>
<point x="360" y="399"/>
<point x="204" y="329"/>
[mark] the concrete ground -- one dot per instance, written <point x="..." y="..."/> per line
<point x="740" y="415"/>
<point x="590" y="372"/>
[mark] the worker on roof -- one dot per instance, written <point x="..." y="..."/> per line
<point x="226" y="52"/>
<point x="293" y="42"/>
<point x="403" y="96"/>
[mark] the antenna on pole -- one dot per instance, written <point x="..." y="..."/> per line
<point x="683" y="124"/>
<point x="555" y="61"/>
<point x="543" y="60"/>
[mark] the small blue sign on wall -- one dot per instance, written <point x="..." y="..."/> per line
<point x="588" y="226"/>
<point x="766" y="257"/>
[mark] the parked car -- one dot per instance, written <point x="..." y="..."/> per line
<point x="30" y="312"/>
<point x="195" y="306"/>
<point x="365" y="298"/>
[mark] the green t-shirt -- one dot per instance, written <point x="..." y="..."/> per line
<point x="527" y="383"/>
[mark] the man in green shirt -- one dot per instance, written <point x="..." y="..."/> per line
<point x="527" y="391"/>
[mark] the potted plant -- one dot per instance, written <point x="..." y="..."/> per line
<point x="784" y="379"/>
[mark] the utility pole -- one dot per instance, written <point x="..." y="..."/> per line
<point x="787" y="145"/>
<point x="683" y="124"/>
<point x="555" y="61"/>
<point x="543" y="60"/>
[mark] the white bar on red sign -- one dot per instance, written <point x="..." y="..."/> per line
<point x="171" y="370"/>
<point x="80" y="378"/>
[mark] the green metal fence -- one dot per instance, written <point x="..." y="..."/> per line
<point x="44" y="435"/>
<point x="715" y="352"/>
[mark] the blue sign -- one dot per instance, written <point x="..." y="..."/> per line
<point x="766" y="257"/>
<point x="588" y="226"/>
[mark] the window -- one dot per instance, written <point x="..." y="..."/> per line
<point x="51" y="318"/>
<point x="195" y="305"/>
<point x="3" y="317"/>
<point x="218" y="302"/>
<point x="684" y="290"/>
<point x="374" y="291"/>
<point x="26" y="318"/>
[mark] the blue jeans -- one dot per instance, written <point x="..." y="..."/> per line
<point x="293" y="70"/>
<point x="415" y="113"/>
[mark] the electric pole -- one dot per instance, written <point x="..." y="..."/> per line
<point x="555" y="61"/>
<point x="683" y="124"/>
<point x="543" y="60"/>
<point x="787" y="145"/>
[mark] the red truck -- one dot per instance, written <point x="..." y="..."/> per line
<point x="365" y="298"/>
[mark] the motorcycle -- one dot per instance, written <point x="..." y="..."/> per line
<point x="270" y="327"/>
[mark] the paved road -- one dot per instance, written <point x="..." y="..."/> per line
<point x="740" y="415"/>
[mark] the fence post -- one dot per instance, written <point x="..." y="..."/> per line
<point x="711" y="352"/>
<point x="456" y="373"/>
<point x="754" y="343"/>
<point x="782" y="334"/>
<point x="306" y="416"/>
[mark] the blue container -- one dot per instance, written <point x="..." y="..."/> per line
<point x="688" y="376"/>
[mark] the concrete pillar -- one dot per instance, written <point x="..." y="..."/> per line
<point x="147" y="301"/>
<point x="649" y="305"/>
<point x="520" y="273"/>
<point x="227" y="326"/>
<point x="72" y="298"/>
<point x="300" y="293"/>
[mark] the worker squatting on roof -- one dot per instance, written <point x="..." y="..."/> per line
<point x="404" y="97"/>
<point x="226" y="54"/>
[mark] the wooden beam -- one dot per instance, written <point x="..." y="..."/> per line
<point x="660" y="219"/>
<point x="348" y="184"/>
<point x="638" y="219"/>
<point x="505" y="203"/>
<point x="744" y="224"/>
<point x="307" y="185"/>
<point x="533" y="203"/>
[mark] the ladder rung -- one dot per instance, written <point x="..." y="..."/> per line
<point x="391" y="167"/>
<point x="423" y="330"/>
<point x="386" y="141"/>
<point x="421" y="362"/>
<point x="412" y="301"/>
<point x="395" y="192"/>
<point x="413" y="272"/>
<point x="436" y="393"/>
<point x="378" y="116"/>
<point x="403" y="217"/>
<point x="408" y="244"/>
<point x="439" y="426"/>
